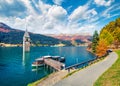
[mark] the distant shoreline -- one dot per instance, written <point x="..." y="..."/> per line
<point x="20" y="45"/>
<point x="10" y="45"/>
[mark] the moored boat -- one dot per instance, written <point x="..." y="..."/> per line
<point x="56" y="58"/>
<point x="46" y="57"/>
<point x="39" y="62"/>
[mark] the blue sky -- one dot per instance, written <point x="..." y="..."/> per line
<point x="59" y="16"/>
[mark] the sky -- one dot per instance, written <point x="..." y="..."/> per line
<point x="59" y="16"/>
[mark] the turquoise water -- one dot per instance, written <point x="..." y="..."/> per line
<point x="15" y="67"/>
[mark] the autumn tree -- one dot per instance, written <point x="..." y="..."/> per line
<point x="101" y="48"/>
<point x="111" y="33"/>
<point x="117" y="37"/>
<point x="117" y="22"/>
<point x="107" y="36"/>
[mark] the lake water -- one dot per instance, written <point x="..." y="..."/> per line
<point x="16" y="70"/>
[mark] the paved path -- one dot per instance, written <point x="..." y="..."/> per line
<point x="53" y="78"/>
<point x="89" y="75"/>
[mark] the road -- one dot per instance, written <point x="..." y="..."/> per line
<point x="87" y="76"/>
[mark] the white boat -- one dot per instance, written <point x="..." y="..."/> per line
<point x="39" y="62"/>
<point x="56" y="58"/>
<point x="48" y="56"/>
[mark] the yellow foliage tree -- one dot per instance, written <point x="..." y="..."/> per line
<point x="107" y="36"/>
<point x="101" y="48"/>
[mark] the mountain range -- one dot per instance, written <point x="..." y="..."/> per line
<point x="13" y="36"/>
<point x="73" y="37"/>
<point x="10" y="35"/>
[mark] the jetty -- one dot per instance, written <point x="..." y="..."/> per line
<point x="54" y="64"/>
<point x="49" y="61"/>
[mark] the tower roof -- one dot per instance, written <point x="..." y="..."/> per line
<point x="26" y="34"/>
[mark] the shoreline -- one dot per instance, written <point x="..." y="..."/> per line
<point x="41" y="81"/>
<point x="21" y="45"/>
<point x="10" y="45"/>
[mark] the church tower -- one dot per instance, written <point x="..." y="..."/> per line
<point x="26" y="42"/>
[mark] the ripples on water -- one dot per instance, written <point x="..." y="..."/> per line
<point x="15" y="67"/>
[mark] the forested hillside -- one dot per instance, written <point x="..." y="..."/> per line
<point x="109" y="37"/>
<point x="111" y="33"/>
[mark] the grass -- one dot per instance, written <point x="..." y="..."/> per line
<point x="37" y="82"/>
<point x="112" y="76"/>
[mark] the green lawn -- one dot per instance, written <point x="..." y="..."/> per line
<point x="112" y="76"/>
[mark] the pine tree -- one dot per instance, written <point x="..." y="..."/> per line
<point x="95" y="41"/>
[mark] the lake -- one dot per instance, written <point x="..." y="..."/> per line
<point x="16" y="70"/>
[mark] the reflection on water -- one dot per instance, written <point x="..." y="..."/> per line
<point x="26" y="58"/>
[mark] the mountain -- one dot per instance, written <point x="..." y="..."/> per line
<point x="14" y="36"/>
<point x="73" y="37"/>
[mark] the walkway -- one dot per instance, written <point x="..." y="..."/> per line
<point x="88" y="76"/>
<point x="53" y="78"/>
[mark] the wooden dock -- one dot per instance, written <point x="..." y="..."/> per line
<point x="54" y="64"/>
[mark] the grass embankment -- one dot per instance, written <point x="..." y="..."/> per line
<point x="37" y="82"/>
<point x="112" y="76"/>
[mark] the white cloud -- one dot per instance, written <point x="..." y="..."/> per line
<point x="78" y="13"/>
<point x="103" y="2"/>
<point x="107" y="12"/>
<point x="54" y="19"/>
<point x="87" y="29"/>
<point x="48" y="25"/>
<point x="10" y="1"/>
<point x="57" y="12"/>
<point x="43" y="7"/>
<point x="58" y="2"/>
<point x="30" y="9"/>
<point x="82" y="13"/>
<point x="7" y="1"/>
<point x="51" y="21"/>
<point x="93" y="12"/>
<point x="89" y="14"/>
<point x="10" y="8"/>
